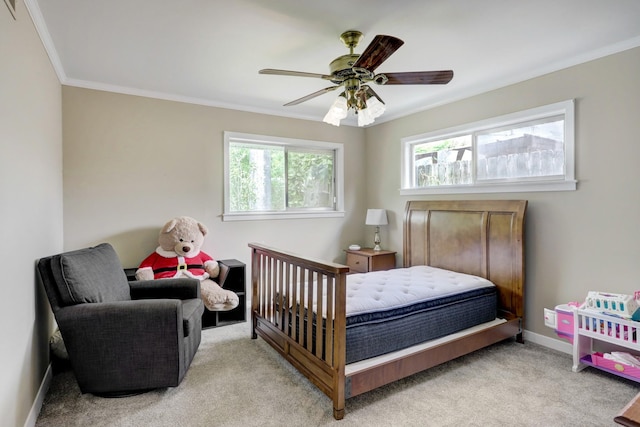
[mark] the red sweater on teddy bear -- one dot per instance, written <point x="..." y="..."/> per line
<point x="165" y="264"/>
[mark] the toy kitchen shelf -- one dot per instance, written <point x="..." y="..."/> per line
<point x="614" y="333"/>
<point x="589" y="326"/>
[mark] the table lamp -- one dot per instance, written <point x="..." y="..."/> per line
<point x="376" y="217"/>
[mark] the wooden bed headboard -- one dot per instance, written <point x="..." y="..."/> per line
<point x="479" y="237"/>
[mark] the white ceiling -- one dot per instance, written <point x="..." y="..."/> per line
<point x="209" y="51"/>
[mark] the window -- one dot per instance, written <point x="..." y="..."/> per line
<point x="527" y="151"/>
<point x="268" y="177"/>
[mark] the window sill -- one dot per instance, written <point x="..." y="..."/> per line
<point x="493" y="188"/>
<point x="261" y="216"/>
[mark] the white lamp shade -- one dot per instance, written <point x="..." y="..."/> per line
<point x="364" y="117"/>
<point x="375" y="107"/>
<point x="337" y="112"/>
<point x="376" y="217"/>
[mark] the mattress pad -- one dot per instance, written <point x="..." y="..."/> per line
<point x="397" y="288"/>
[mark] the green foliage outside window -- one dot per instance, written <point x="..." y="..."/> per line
<point x="268" y="178"/>
<point x="310" y="179"/>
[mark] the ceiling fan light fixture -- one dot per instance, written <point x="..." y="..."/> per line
<point x="365" y="117"/>
<point x="376" y="107"/>
<point x="338" y="111"/>
<point x="371" y="109"/>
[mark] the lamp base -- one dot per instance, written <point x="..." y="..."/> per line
<point x="376" y="240"/>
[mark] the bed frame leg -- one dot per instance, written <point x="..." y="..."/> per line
<point x="254" y="325"/>
<point x="338" y="414"/>
<point x="520" y="336"/>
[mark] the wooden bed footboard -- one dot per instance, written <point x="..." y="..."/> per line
<point x="287" y="293"/>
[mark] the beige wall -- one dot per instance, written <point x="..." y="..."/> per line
<point x="30" y="208"/>
<point x="133" y="163"/>
<point x="576" y="241"/>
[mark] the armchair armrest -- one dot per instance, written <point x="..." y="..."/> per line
<point x="103" y="320"/>
<point x="165" y="288"/>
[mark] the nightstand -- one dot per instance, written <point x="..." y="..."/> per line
<point x="366" y="259"/>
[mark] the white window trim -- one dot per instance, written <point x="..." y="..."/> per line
<point x="338" y="212"/>
<point x="567" y="183"/>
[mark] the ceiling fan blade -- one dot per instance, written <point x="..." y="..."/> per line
<point x="373" y="93"/>
<point x="312" y="95"/>
<point x="293" y="73"/>
<point x="381" y="48"/>
<point x="418" y="78"/>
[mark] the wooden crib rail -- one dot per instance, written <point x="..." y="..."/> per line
<point x="298" y="306"/>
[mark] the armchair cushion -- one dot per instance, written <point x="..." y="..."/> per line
<point x="92" y="275"/>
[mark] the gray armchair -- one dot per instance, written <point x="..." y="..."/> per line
<point x="122" y="337"/>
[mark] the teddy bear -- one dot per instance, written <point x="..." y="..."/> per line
<point x="179" y="255"/>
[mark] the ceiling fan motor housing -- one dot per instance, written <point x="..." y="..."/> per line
<point x="341" y="67"/>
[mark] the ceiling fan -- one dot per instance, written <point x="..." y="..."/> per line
<point x="354" y="72"/>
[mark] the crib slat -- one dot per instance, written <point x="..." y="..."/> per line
<point x="286" y="297"/>
<point x="303" y="290"/>
<point x="295" y="324"/>
<point x="329" y="322"/>
<point x="309" y="312"/>
<point x="269" y="296"/>
<point x="278" y="296"/>
<point x="264" y="260"/>
<point x="320" y="282"/>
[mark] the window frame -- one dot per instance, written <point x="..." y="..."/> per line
<point x="302" y="144"/>
<point x="565" y="182"/>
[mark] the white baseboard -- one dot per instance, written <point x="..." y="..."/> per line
<point x="555" y="344"/>
<point x="37" y="402"/>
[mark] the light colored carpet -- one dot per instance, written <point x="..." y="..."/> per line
<point x="236" y="381"/>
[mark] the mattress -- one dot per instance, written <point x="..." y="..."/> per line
<point x="395" y="309"/>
